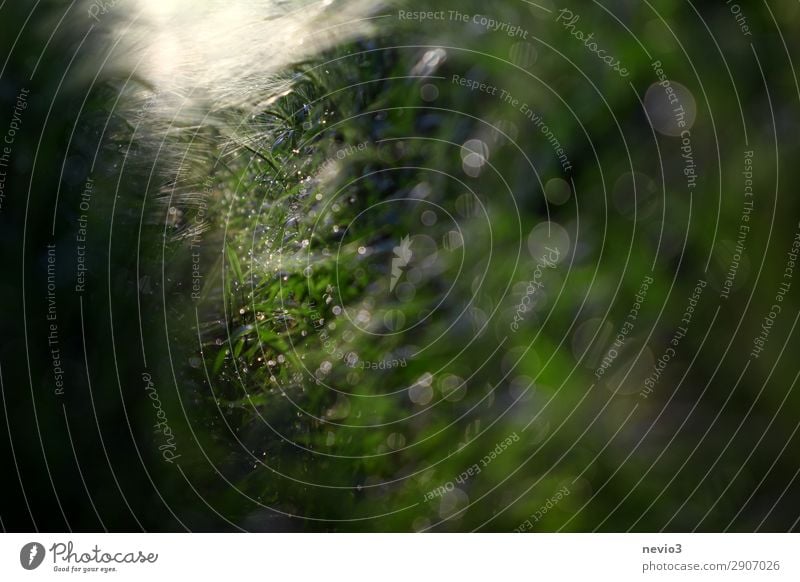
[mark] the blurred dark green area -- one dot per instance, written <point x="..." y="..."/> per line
<point x="279" y="421"/>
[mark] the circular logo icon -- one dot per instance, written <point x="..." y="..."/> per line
<point x="31" y="555"/>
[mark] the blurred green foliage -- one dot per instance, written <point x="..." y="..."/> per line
<point x="471" y="421"/>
